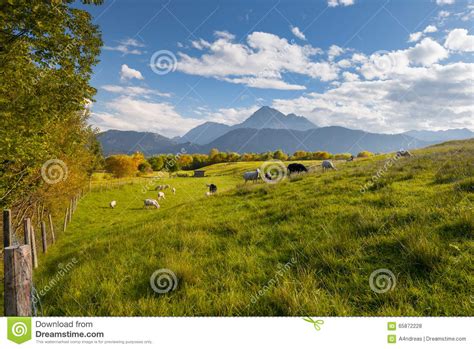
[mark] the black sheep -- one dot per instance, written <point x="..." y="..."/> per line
<point x="212" y="188"/>
<point x="296" y="168"/>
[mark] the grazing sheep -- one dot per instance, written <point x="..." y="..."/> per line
<point x="268" y="176"/>
<point x="113" y="204"/>
<point x="328" y="165"/>
<point x="160" y="187"/>
<point x="252" y="175"/>
<point x="161" y="195"/>
<point x="167" y="186"/>
<point x="151" y="202"/>
<point x="351" y="158"/>
<point x="404" y="153"/>
<point x="295" y="167"/>
<point x="212" y="188"/>
<point x="173" y="190"/>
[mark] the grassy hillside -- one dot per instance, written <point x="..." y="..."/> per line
<point x="306" y="245"/>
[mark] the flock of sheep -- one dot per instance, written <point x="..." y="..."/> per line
<point x="247" y="176"/>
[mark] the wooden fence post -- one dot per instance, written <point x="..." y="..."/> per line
<point x="34" y="254"/>
<point x="65" y="219"/>
<point x="43" y="236"/>
<point x="70" y="212"/>
<point x="26" y="229"/>
<point x="51" y="228"/>
<point x="18" y="278"/>
<point x="7" y="228"/>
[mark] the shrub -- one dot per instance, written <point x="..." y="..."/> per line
<point x="365" y="154"/>
<point x="120" y="165"/>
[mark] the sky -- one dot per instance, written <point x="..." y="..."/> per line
<point x="383" y="66"/>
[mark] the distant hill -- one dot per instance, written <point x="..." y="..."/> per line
<point x="334" y="139"/>
<point x="128" y="142"/>
<point x="205" y="133"/>
<point x="446" y="135"/>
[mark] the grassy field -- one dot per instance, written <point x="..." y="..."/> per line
<point x="307" y="245"/>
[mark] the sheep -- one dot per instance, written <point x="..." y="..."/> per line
<point x="208" y="193"/>
<point x="212" y="188"/>
<point x="295" y="167"/>
<point x="351" y="158"/>
<point x="160" y="187"/>
<point x="167" y="186"/>
<point x="327" y="165"/>
<point x="173" y="190"/>
<point x="151" y="202"/>
<point x="404" y="153"/>
<point x="113" y="204"/>
<point x="252" y="175"/>
<point x="161" y="195"/>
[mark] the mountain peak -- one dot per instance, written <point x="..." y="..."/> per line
<point x="267" y="117"/>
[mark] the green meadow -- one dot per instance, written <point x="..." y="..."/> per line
<point x="306" y="245"/>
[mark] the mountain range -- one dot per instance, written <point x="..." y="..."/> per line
<point x="268" y="130"/>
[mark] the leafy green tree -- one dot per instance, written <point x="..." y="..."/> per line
<point x="47" y="53"/>
<point x="280" y="155"/>
<point x="156" y="163"/>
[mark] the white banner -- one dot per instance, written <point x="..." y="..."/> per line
<point x="243" y="332"/>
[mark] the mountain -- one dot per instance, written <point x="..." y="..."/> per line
<point x="205" y="133"/>
<point x="267" y="117"/>
<point x="128" y="142"/>
<point x="441" y="136"/>
<point x="333" y="139"/>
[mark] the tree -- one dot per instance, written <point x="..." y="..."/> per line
<point x="156" y="162"/>
<point x="185" y="160"/>
<point x="47" y="53"/>
<point x="145" y="167"/>
<point x="121" y="165"/>
<point x="280" y="155"/>
<point x="299" y="155"/>
<point x="213" y="153"/>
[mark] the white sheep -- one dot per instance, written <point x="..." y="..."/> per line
<point x="113" y="204"/>
<point x="151" y="202"/>
<point x="173" y="190"/>
<point x="252" y="175"/>
<point x="328" y="165"/>
<point x="161" y="195"/>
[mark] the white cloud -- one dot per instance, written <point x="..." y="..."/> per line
<point x="297" y="32"/>
<point x="260" y="62"/>
<point x="134" y="91"/>
<point x="430" y="29"/>
<point x="344" y="63"/>
<point x="127" y="47"/>
<point x="444" y="2"/>
<point x="334" y="3"/>
<point x="414" y="37"/>
<point x="348" y="76"/>
<point x="127" y="113"/>
<point x="127" y="73"/>
<point x="427" y="52"/>
<point x="230" y="116"/>
<point x="443" y="14"/>
<point x="434" y="97"/>
<point x="334" y="51"/>
<point x="459" y="40"/>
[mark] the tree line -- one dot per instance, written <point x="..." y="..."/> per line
<point x="122" y="165"/>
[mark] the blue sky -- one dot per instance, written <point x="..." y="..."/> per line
<point x="381" y="66"/>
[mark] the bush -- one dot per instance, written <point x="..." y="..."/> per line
<point x="365" y="154"/>
<point x="121" y="165"/>
<point x="145" y="167"/>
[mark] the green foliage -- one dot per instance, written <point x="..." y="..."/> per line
<point x="156" y="163"/>
<point x="47" y="53"/>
